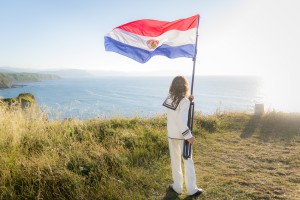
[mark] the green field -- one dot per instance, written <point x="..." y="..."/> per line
<point x="237" y="156"/>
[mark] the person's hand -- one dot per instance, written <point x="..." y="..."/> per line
<point x="191" y="140"/>
<point x="191" y="97"/>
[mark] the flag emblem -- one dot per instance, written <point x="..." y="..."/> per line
<point x="152" y="44"/>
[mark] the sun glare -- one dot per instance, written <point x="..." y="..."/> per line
<point x="281" y="94"/>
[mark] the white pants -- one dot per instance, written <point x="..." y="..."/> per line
<point x="176" y="147"/>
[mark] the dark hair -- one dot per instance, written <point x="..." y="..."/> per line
<point x="179" y="89"/>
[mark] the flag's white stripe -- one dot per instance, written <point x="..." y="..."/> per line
<point x="171" y="38"/>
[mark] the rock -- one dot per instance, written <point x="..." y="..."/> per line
<point x="24" y="100"/>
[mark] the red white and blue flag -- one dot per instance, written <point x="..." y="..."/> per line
<point x="143" y="39"/>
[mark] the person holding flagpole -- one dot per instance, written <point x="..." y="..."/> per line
<point x="140" y="40"/>
<point x="177" y="104"/>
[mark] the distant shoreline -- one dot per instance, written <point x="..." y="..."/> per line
<point x="11" y="80"/>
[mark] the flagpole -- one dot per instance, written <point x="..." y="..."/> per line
<point x="187" y="147"/>
<point x="193" y="77"/>
<point x="194" y="59"/>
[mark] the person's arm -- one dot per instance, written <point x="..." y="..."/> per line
<point x="183" y="119"/>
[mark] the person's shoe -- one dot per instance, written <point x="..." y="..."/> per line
<point x="172" y="189"/>
<point x="199" y="192"/>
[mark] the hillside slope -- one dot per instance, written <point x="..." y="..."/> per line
<point x="237" y="156"/>
<point x="8" y="79"/>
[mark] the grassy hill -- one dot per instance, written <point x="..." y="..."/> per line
<point x="237" y="156"/>
<point x="5" y="81"/>
<point x="8" y="79"/>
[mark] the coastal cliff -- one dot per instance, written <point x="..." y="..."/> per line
<point x="7" y="80"/>
<point x="24" y="100"/>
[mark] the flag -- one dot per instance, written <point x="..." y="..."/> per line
<point x="143" y="39"/>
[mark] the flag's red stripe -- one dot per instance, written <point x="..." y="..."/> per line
<point x="154" y="28"/>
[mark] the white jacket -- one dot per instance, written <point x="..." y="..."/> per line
<point x="177" y="118"/>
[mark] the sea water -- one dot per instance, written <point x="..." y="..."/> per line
<point x="103" y="97"/>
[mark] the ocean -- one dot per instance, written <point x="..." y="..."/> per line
<point x="106" y="97"/>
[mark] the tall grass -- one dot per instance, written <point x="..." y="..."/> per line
<point x="127" y="158"/>
<point x="72" y="159"/>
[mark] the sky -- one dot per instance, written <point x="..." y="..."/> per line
<point x="236" y="37"/>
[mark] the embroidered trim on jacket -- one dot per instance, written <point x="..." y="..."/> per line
<point x="186" y="132"/>
<point x="170" y="104"/>
<point x="174" y="138"/>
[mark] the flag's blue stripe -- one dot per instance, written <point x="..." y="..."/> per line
<point x="143" y="56"/>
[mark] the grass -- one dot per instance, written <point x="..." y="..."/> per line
<point x="231" y="166"/>
<point x="236" y="155"/>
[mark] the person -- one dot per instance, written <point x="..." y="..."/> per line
<point x="177" y="104"/>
